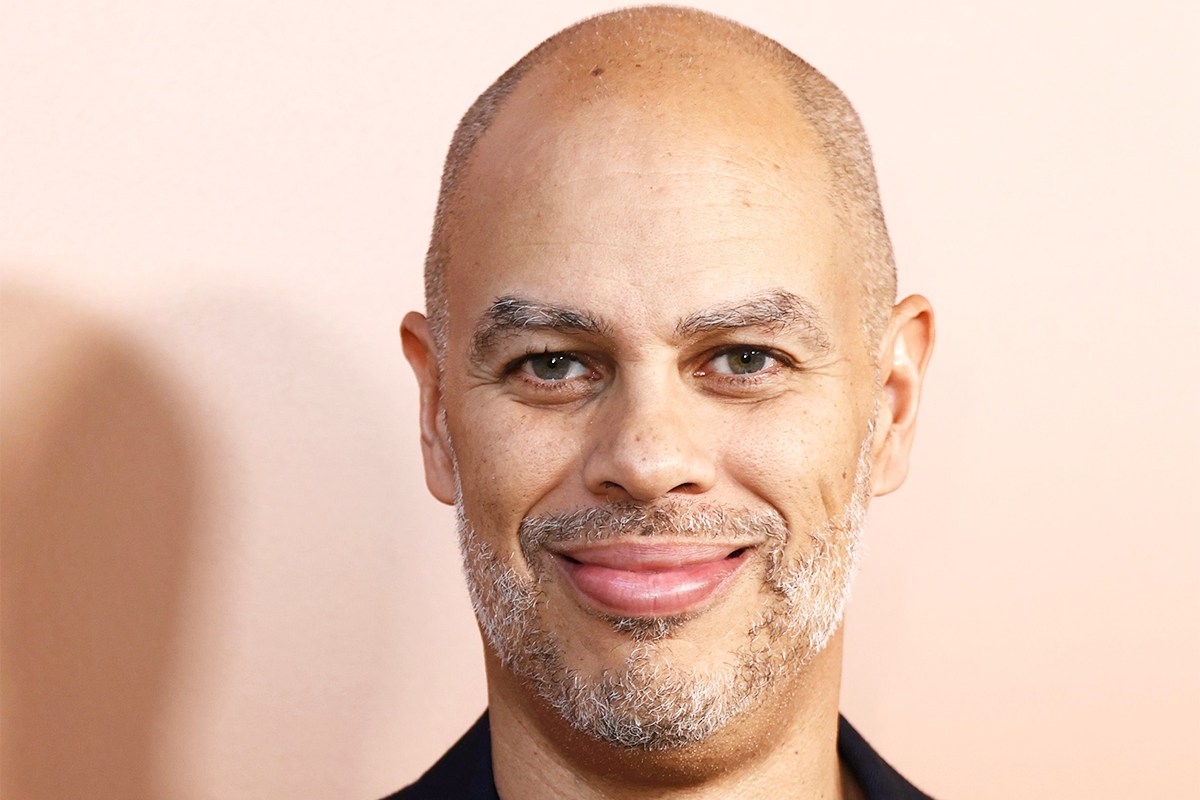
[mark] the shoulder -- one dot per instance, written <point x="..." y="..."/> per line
<point x="464" y="772"/>
<point x="878" y="779"/>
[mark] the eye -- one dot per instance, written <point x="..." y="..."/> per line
<point x="740" y="361"/>
<point x="553" y="367"/>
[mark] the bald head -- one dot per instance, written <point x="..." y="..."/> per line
<point x="672" y="75"/>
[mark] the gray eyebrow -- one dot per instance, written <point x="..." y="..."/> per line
<point x="775" y="310"/>
<point x="510" y="314"/>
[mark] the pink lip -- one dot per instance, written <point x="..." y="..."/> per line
<point x="648" y="580"/>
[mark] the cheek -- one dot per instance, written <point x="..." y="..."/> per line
<point x="509" y="460"/>
<point x="800" y="460"/>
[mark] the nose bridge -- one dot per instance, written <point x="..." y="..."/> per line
<point x="649" y="442"/>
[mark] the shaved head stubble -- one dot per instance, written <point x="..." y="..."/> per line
<point x="667" y="34"/>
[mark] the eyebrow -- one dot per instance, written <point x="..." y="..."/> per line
<point x="775" y="310"/>
<point x="509" y="315"/>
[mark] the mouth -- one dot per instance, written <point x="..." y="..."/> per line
<point x="650" y="579"/>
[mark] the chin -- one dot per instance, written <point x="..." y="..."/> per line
<point x="662" y="684"/>
<point x="656" y="682"/>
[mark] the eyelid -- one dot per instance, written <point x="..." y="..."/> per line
<point x="781" y="361"/>
<point x="525" y="366"/>
<point x="539" y="391"/>
<point x="515" y="364"/>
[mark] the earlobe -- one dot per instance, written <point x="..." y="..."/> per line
<point x="904" y="355"/>
<point x="420" y="349"/>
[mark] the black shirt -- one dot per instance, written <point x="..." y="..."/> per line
<point x="466" y="770"/>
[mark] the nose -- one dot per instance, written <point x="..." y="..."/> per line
<point x="647" y="446"/>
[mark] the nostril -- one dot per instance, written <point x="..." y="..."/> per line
<point x="619" y="468"/>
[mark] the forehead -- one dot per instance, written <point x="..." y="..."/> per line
<point x="607" y="180"/>
<point x="682" y="112"/>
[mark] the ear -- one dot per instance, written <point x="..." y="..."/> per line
<point x="904" y="353"/>
<point x="421" y="352"/>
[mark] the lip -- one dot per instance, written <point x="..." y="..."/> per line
<point x="651" y="579"/>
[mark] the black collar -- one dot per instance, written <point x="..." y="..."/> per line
<point x="466" y="770"/>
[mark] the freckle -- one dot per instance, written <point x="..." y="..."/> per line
<point x="843" y="474"/>
<point x="597" y="72"/>
<point x="746" y="203"/>
<point x="637" y="66"/>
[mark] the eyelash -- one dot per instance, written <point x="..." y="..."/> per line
<point x="514" y="369"/>
<point x="781" y="362"/>
<point x="779" y="358"/>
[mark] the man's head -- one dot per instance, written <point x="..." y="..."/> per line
<point x="663" y="373"/>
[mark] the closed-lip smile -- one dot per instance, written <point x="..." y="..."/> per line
<point x="650" y="579"/>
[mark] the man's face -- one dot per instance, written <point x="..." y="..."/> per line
<point x="658" y="401"/>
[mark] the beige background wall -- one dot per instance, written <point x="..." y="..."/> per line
<point x="221" y="575"/>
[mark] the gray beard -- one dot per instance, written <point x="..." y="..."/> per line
<point x="649" y="703"/>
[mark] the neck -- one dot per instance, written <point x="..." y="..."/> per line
<point x="784" y="747"/>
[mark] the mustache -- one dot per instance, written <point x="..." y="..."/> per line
<point x="676" y="519"/>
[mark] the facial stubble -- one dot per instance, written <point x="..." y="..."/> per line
<point x="649" y="702"/>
